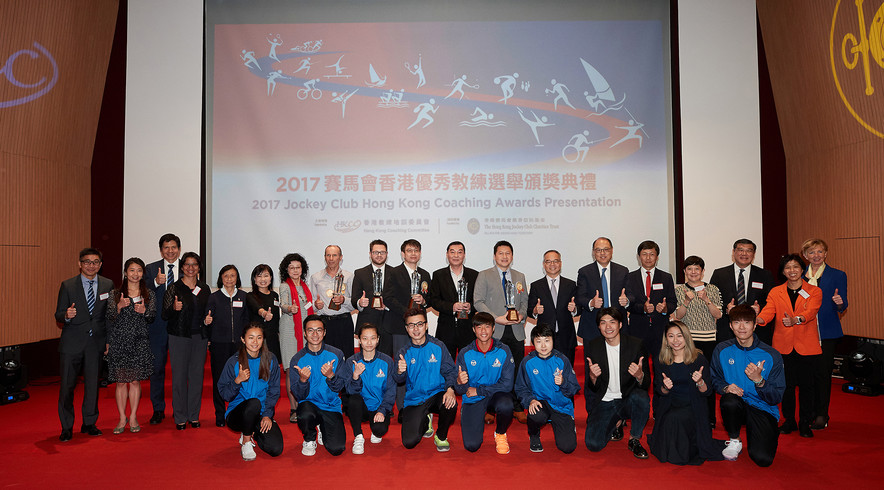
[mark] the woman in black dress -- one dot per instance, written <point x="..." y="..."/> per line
<point x="682" y="434"/>
<point x="264" y="306"/>
<point x="129" y="359"/>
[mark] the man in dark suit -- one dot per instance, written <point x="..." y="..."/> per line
<point x="654" y="293"/>
<point x="556" y="311"/>
<point x="82" y="303"/>
<point x="751" y="290"/>
<point x="158" y="276"/>
<point x="363" y="292"/>
<point x="615" y="395"/>
<point x="599" y="285"/>
<point x="456" y="333"/>
<point x="398" y="297"/>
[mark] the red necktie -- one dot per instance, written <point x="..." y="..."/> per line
<point x="648" y="284"/>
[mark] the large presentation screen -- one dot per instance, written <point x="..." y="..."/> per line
<point x="544" y="124"/>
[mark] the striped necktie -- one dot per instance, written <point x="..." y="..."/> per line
<point x="90" y="297"/>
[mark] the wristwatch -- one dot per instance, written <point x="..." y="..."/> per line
<point x="759" y="383"/>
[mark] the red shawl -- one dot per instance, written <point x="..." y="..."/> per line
<point x="299" y="329"/>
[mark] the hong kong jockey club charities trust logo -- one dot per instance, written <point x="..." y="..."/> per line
<point x="34" y="68"/>
<point x="857" y="58"/>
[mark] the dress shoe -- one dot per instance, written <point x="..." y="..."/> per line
<point x="820" y="422"/>
<point x="618" y="433"/>
<point x="521" y="416"/>
<point x="90" y="429"/>
<point x="218" y="423"/>
<point x="195" y="424"/>
<point x="181" y="426"/>
<point x="637" y="450"/>
<point x="788" y="427"/>
<point x="489" y="419"/>
<point x="157" y="417"/>
<point x="804" y="431"/>
<point x="66" y="435"/>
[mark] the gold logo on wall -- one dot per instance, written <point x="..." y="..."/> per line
<point x="857" y="58"/>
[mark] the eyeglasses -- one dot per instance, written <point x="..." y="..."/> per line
<point x="746" y="250"/>
<point x="314" y="330"/>
<point x="415" y="325"/>
<point x="554" y="261"/>
<point x="601" y="250"/>
<point x="411" y="250"/>
<point x="90" y="262"/>
<point x="379" y="252"/>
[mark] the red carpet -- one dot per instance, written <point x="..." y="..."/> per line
<point x="846" y="454"/>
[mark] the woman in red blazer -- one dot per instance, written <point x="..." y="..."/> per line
<point x="793" y="306"/>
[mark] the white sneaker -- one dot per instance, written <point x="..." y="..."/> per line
<point x="375" y="439"/>
<point x="248" y="451"/>
<point x="240" y="439"/>
<point x="359" y="444"/>
<point x="429" y="433"/>
<point x="732" y="451"/>
<point x="308" y="448"/>
<point x="319" y="436"/>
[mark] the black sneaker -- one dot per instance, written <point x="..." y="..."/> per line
<point x="534" y="444"/>
<point x="637" y="450"/>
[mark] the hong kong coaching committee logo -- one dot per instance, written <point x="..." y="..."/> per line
<point x="857" y="58"/>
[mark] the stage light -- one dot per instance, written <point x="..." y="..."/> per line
<point x="10" y="376"/>
<point x="863" y="373"/>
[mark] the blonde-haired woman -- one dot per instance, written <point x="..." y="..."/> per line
<point x="682" y="434"/>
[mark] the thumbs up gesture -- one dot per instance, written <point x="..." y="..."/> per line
<point x="402" y="364"/>
<point x="667" y="383"/>
<point x="597" y="301"/>
<point x="753" y="371"/>
<point x="124" y="302"/>
<point x="594" y="370"/>
<point x="462" y="376"/>
<point x="161" y="278"/>
<point x="363" y="301"/>
<point x="788" y="321"/>
<point x="661" y="307"/>
<point x="572" y="306"/>
<point x="836" y="298"/>
<point x="358" y="369"/>
<point x="243" y="375"/>
<point x="303" y="373"/>
<point x="328" y="369"/>
<point x="649" y="307"/>
<point x="635" y="369"/>
<point x="731" y="305"/>
<point x="208" y="320"/>
<point x="177" y="305"/>
<point x="140" y="308"/>
<point x="557" y="377"/>
<point x="71" y="312"/>
<point x="697" y="375"/>
<point x="623" y="300"/>
<point x="756" y="307"/>
<point x="538" y="308"/>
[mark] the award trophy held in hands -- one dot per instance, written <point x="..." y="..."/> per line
<point x="415" y="287"/>
<point x="462" y="298"/>
<point x="337" y="291"/>
<point x="511" y="313"/>
<point x="377" y="300"/>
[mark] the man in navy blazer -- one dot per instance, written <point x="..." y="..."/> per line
<point x="80" y="310"/>
<point x="362" y="292"/>
<point x="456" y="333"/>
<point x="757" y="282"/>
<point x="594" y="281"/>
<point x="158" y="276"/>
<point x="654" y="293"/>
<point x="558" y="313"/>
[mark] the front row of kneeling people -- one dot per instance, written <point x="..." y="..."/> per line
<point x="746" y="372"/>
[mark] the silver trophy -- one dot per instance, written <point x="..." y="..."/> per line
<point x="338" y="290"/>
<point x="462" y="298"/>
<point x="511" y="313"/>
<point x="415" y="287"/>
<point x="377" y="300"/>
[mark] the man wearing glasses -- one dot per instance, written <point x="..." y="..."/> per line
<point x="601" y="284"/>
<point x="742" y="283"/>
<point x="363" y="293"/>
<point x="428" y="372"/>
<point x="82" y="302"/>
<point x="552" y="301"/>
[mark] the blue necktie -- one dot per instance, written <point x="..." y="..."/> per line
<point x="170" y="277"/>
<point x="503" y="283"/>
<point x="90" y="297"/>
<point x="605" y="302"/>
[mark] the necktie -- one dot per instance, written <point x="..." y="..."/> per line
<point x="648" y="284"/>
<point x="605" y="301"/>
<point x="170" y="277"/>
<point x="503" y="283"/>
<point x="741" y="289"/>
<point x="90" y="297"/>
<point x="554" y="291"/>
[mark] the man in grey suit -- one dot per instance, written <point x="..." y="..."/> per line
<point x="82" y="303"/>
<point x="489" y="296"/>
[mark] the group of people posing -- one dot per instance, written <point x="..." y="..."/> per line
<point x="692" y="341"/>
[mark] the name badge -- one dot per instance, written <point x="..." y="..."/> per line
<point x="757" y="285"/>
<point x="196" y="290"/>
<point x="137" y="299"/>
<point x="657" y="287"/>
<point x="700" y="287"/>
<point x="237" y="304"/>
<point x="275" y="302"/>
<point x="103" y="296"/>
<point x="308" y="305"/>
<point x="804" y="294"/>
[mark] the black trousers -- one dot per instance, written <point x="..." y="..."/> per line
<point x="823" y="381"/>
<point x="707" y="347"/>
<point x="159" y="346"/>
<point x="800" y="372"/>
<point x="415" y="422"/>
<point x="339" y="332"/>
<point x="219" y="353"/>
<point x="330" y="423"/>
<point x="762" y="434"/>
<point x="517" y="347"/>
<point x="89" y="361"/>
<point x="358" y="413"/>
<point x="564" y="430"/>
<point x="472" y="418"/>
<point x="246" y="419"/>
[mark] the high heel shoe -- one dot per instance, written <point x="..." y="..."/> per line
<point x="134" y="427"/>
<point x="120" y="428"/>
